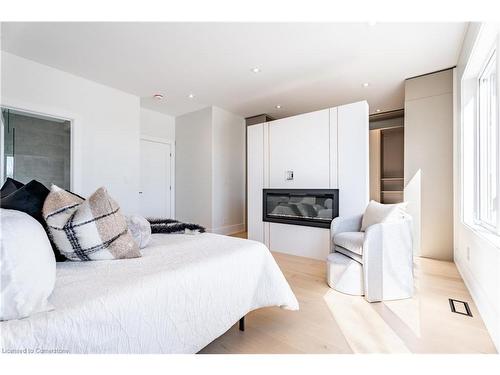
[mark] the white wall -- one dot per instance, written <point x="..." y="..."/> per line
<point x="156" y="124"/>
<point x="429" y="162"/>
<point x="476" y="256"/>
<point x="210" y="169"/>
<point x="228" y="175"/>
<point x="193" y="167"/>
<point x="300" y="144"/>
<point x="105" y="149"/>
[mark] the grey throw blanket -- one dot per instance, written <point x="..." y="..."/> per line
<point x="171" y="226"/>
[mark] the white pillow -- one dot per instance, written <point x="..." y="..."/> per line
<point x="28" y="266"/>
<point x="140" y="229"/>
<point x="376" y="213"/>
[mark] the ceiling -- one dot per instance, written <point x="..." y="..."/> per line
<point x="303" y="66"/>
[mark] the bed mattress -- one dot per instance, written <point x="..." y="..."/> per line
<point x="183" y="293"/>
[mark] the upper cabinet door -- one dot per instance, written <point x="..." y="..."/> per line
<point x="299" y="151"/>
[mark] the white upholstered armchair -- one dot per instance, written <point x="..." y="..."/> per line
<point x="376" y="263"/>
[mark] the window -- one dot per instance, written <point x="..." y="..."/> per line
<point x="487" y="203"/>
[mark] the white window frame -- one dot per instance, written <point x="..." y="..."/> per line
<point x="494" y="53"/>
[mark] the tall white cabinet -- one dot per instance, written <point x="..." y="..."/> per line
<point x="353" y="166"/>
<point x="326" y="149"/>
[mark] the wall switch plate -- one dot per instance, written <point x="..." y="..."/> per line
<point x="289" y="175"/>
<point x="468" y="253"/>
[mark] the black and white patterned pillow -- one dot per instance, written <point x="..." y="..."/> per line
<point x="92" y="229"/>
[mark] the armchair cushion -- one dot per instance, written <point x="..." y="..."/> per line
<point x="376" y="213"/>
<point x="352" y="241"/>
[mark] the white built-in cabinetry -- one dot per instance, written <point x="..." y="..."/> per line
<point x="326" y="149"/>
<point x="307" y="135"/>
<point x="353" y="167"/>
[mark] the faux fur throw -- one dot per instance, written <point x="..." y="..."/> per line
<point x="171" y="226"/>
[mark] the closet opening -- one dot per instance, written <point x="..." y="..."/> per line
<point x="387" y="156"/>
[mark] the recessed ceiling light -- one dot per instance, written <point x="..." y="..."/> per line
<point x="158" y="96"/>
<point x="378" y="110"/>
<point x="191" y="96"/>
<point x="278" y="106"/>
<point x="366" y="84"/>
<point x="256" y="70"/>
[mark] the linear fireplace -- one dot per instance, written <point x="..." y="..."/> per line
<point x="309" y="207"/>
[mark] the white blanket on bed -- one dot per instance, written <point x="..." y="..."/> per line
<point x="183" y="293"/>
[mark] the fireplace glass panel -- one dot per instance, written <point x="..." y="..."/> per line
<point x="303" y="207"/>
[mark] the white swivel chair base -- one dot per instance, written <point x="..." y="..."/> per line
<point x="345" y="274"/>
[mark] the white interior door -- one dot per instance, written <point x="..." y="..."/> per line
<point x="155" y="179"/>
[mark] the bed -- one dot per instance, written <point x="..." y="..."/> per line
<point x="183" y="293"/>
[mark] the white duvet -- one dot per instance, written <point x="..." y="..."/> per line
<point x="183" y="293"/>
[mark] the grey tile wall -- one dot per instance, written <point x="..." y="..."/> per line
<point x="42" y="149"/>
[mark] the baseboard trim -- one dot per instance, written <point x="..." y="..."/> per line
<point x="486" y="310"/>
<point x="229" y="229"/>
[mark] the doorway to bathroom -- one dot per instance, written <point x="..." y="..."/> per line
<point x="36" y="147"/>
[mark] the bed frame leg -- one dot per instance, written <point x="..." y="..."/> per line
<point x="242" y="324"/>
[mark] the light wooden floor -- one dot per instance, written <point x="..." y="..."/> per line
<point x="332" y="322"/>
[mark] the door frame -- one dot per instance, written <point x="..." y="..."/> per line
<point x="76" y="139"/>
<point x="171" y="143"/>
